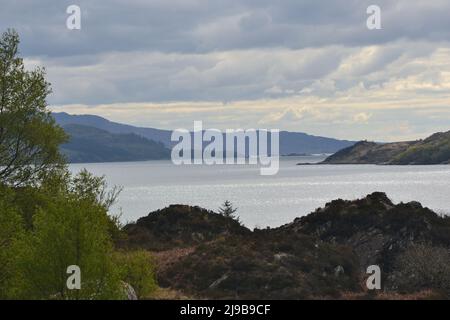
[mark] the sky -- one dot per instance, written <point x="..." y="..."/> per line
<point x="299" y="65"/>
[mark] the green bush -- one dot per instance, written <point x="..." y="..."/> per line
<point x="68" y="232"/>
<point x="137" y="269"/>
<point x="11" y="227"/>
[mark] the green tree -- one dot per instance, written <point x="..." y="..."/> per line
<point x="95" y="189"/>
<point x="50" y="220"/>
<point x="88" y="187"/>
<point x="67" y="233"/>
<point x="73" y="228"/>
<point x="29" y="137"/>
<point x="11" y="229"/>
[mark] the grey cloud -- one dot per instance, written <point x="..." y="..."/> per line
<point x="195" y="26"/>
<point x="220" y="76"/>
<point x="224" y="51"/>
<point x="231" y="75"/>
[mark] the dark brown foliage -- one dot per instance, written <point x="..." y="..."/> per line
<point x="322" y="255"/>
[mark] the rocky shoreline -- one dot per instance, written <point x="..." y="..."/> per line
<point x="324" y="255"/>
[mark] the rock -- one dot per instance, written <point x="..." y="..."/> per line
<point x="280" y="256"/>
<point x="197" y="237"/>
<point x="216" y="283"/>
<point x="338" y="271"/>
<point x="179" y="226"/>
<point x="129" y="291"/>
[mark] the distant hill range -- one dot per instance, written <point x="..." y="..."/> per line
<point x="432" y="150"/>
<point x="101" y="140"/>
<point x="90" y="144"/>
<point x="158" y="135"/>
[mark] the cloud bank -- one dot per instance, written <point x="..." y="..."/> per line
<point x="295" y="65"/>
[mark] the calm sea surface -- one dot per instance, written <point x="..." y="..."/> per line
<point x="267" y="200"/>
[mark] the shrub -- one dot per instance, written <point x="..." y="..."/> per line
<point x="137" y="269"/>
<point x="11" y="227"/>
<point x="68" y="232"/>
<point x="423" y="267"/>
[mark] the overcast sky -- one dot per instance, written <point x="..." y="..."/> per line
<point x="310" y="66"/>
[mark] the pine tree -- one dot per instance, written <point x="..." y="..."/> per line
<point x="227" y="210"/>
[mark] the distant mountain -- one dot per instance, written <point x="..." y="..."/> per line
<point x="302" y="143"/>
<point x="158" y="135"/>
<point x="89" y="144"/>
<point x="290" y="142"/>
<point x="433" y="150"/>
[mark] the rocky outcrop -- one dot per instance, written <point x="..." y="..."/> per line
<point x="432" y="150"/>
<point x="179" y="226"/>
<point x="322" y="255"/>
<point x="376" y="229"/>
